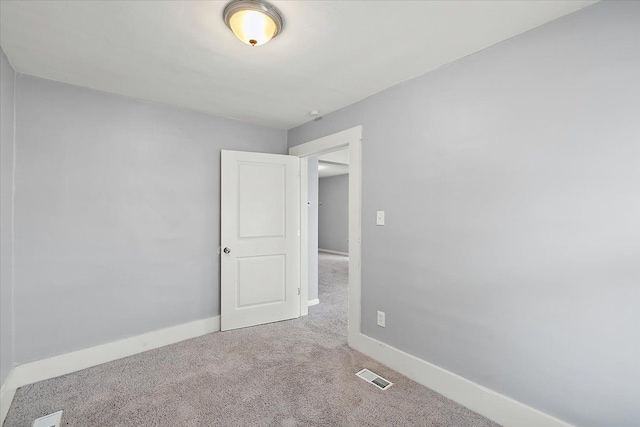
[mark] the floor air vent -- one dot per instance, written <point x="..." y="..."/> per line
<point x="51" y="420"/>
<point x="375" y="379"/>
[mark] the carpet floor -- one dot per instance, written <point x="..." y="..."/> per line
<point x="294" y="373"/>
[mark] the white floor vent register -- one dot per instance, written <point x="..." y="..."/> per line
<point x="51" y="420"/>
<point x="373" y="378"/>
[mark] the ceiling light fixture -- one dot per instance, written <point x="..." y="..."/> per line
<point x="254" y="22"/>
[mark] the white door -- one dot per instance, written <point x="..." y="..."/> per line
<point x="260" y="238"/>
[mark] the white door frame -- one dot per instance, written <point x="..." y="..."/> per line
<point x="351" y="138"/>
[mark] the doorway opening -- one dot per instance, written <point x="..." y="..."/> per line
<point x="333" y="154"/>
<point x="328" y="228"/>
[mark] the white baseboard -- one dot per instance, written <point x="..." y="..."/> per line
<point x="56" y="366"/>
<point x="313" y="302"/>
<point x="328" y="251"/>
<point x="6" y="396"/>
<point x="495" y="406"/>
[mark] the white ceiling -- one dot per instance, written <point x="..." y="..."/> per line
<point x="331" y="169"/>
<point x="333" y="163"/>
<point x="330" y="54"/>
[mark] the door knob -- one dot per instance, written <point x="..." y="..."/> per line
<point x="227" y="250"/>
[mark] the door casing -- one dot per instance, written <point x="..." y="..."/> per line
<point x="351" y="138"/>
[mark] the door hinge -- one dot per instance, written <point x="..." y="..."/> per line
<point x="298" y="291"/>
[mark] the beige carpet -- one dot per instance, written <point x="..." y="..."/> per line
<point x="294" y="373"/>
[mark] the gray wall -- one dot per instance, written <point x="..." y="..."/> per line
<point x="312" y="206"/>
<point x="116" y="215"/>
<point x="333" y="217"/>
<point x="7" y="81"/>
<point x="511" y="184"/>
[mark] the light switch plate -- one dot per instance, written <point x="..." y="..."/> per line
<point x="381" y="319"/>
<point x="380" y="218"/>
<point x="51" y="420"/>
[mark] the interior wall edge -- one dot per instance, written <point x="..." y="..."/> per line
<point x="13" y="224"/>
<point x="7" y="281"/>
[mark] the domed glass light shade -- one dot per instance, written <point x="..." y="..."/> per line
<point x="253" y="22"/>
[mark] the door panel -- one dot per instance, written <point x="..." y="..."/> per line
<point x="260" y="212"/>
<point x="253" y="272"/>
